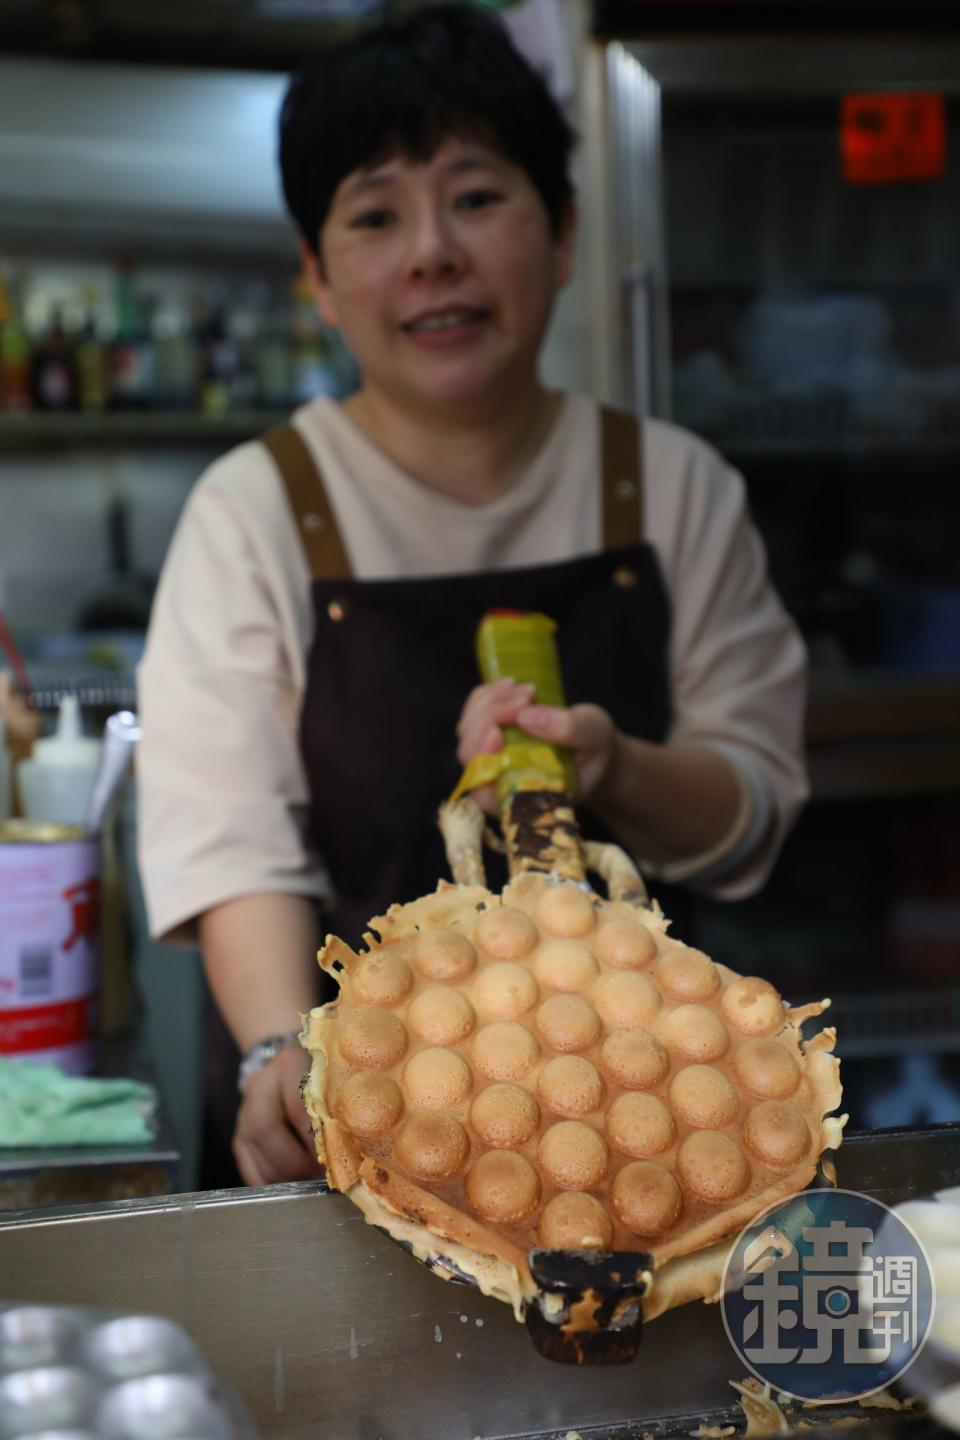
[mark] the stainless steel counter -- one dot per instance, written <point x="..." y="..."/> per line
<point x="328" y="1329"/>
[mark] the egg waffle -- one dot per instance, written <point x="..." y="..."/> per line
<point x="543" y="1091"/>
<point x="551" y="1070"/>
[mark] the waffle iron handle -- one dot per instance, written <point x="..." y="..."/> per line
<point x="536" y="781"/>
<point x="589" y="1308"/>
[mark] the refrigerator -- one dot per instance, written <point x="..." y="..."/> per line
<point x="784" y="280"/>
<point x="782" y="276"/>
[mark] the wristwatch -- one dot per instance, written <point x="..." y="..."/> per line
<point x="262" y="1053"/>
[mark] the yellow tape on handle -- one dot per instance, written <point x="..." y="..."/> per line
<point x="521" y="645"/>
<point x="526" y="764"/>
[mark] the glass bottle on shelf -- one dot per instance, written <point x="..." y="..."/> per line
<point x="91" y="358"/>
<point x="219" y="359"/>
<point x="243" y="323"/>
<point x="345" y="368"/>
<point x="54" y="370"/>
<point x="274" y="353"/>
<point x="313" y="370"/>
<point x="132" y="358"/>
<point x="177" y="378"/>
<point x="15" y="350"/>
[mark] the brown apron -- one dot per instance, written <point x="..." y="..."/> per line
<point x="392" y="662"/>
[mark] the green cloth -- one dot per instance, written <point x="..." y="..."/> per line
<point x="41" y="1106"/>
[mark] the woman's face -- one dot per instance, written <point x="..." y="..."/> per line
<point x="442" y="275"/>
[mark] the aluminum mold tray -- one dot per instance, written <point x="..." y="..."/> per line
<point x="327" y="1329"/>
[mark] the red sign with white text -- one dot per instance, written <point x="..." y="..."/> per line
<point x="889" y="138"/>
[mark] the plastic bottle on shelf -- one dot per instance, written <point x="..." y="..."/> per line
<point x="15" y="349"/>
<point x="56" y="783"/>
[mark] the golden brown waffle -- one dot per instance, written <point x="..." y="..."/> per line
<point x="549" y="1069"/>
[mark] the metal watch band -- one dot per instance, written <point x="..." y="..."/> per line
<point x="262" y="1053"/>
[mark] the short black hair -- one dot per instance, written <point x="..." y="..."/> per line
<point x="403" y="87"/>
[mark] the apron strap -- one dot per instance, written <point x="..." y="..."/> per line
<point x="317" y="525"/>
<point x="621" y="437"/>
<point x="312" y="512"/>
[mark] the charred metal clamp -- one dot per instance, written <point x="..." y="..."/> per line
<point x="589" y="1310"/>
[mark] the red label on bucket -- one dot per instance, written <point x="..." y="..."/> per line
<point x="46" y="1027"/>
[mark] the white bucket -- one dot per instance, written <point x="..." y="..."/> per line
<point x="49" y="943"/>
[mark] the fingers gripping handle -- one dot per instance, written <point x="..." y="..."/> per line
<point x="520" y="645"/>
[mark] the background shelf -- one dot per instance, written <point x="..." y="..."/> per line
<point x="58" y="431"/>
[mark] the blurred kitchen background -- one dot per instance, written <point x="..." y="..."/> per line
<point x="769" y="255"/>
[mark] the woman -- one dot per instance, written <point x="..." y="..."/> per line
<point x="308" y="691"/>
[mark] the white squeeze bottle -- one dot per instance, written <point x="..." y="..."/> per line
<point x="57" y="781"/>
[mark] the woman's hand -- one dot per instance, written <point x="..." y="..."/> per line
<point x="488" y="709"/>
<point x="585" y="729"/>
<point x="258" y="952"/>
<point x="273" y="1140"/>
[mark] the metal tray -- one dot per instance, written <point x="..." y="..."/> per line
<point x="325" y="1327"/>
<point x="69" y="1370"/>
